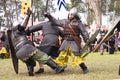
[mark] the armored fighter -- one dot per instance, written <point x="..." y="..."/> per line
<point x="71" y="45"/>
<point x="25" y="50"/>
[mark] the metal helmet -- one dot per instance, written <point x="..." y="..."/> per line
<point x="16" y="23"/>
<point x="79" y="16"/>
<point x="73" y="11"/>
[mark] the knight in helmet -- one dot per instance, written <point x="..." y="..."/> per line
<point x="71" y="45"/>
<point x="26" y="52"/>
<point x="50" y="41"/>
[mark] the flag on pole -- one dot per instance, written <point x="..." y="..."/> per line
<point x="61" y="3"/>
<point x="25" y="5"/>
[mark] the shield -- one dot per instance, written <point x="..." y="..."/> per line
<point x="115" y="25"/>
<point x="13" y="54"/>
<point x="85" y="48"/>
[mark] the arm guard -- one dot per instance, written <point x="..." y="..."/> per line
<point x="54" y="21"/>
<point x="84" y="33"/>
<point x="26" y="19"/>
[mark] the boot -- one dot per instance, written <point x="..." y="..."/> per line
<point x="55" y="67"/>
<point x="30" y="66"/>
<point x="41" y="70"/>
<point x="2" y="56"/>
<point x="119" y="70"/>
<point x="30" y="70"/>
<point x="84" y="68"/>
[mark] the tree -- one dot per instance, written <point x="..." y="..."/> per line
<point x="39" y="7"/>
<point x="10" y="11"/>
<point x="6" y="14"/>
<point x="13" y="7"/>
<point x="115" y="7"/>
<point x="83" y="8"/>
<point x="96" y="5"/>
<point x="78" y="5"/>
<point x="104" y="7"/>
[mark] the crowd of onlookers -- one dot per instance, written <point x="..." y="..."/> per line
<point x="110" y="45"/>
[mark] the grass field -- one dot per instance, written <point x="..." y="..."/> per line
<point x="101" y="67"/>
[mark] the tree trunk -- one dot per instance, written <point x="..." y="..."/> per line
<point x="73" y="3"/>
<point x="6" y="14"/>
<point x="97" y="7"/>
<point x="16" y="9"/>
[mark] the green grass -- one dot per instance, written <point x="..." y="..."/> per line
<point x="101" y="67"/>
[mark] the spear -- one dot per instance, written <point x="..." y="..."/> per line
<point x="32" y="17"/>
<point x="46" y="6"/>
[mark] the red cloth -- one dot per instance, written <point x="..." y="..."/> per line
<point x="1" y="44"/>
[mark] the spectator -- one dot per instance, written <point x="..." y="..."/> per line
<point x="93" y="43"/>
<point x="36" y="40"/>
<point x="118" y="44"/>
<point x="3" y="46"/>
<point x="112" y="45"/>
<point x="71" y="45"/>
<point x="104" y="45"/>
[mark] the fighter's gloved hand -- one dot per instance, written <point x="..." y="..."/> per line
<point x="86" y="39"/>
<point x="21" y="28"/>
<point x="46" y="14"/>
<point x="27" y="32"/>
<point x="29" y="12"/>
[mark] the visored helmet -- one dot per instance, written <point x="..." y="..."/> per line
<point x="16" y="23"/>
<point x="73" y="11"/>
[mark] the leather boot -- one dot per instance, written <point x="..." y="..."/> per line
<point x="119" y="71"/>
<point x="40" y="71"/>
<point x="30" y="70"/>
<point x="55" y="67"/>
<point x="84" y="68"/>
<point x="30" y="66"/>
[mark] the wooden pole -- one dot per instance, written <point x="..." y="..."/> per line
<point x="16" y="9"/>
<point x="32" y="18"/>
